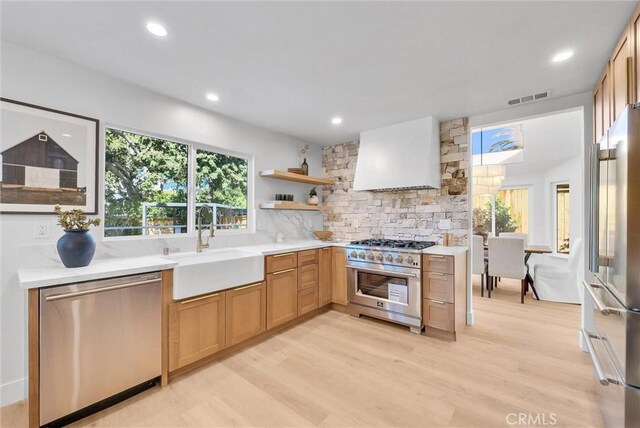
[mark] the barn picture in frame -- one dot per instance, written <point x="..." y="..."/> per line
<point x="47" y="157"/>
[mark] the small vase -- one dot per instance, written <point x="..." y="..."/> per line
<point x="305" y="167"/>
<point x="313" y="200"/>
<point x="76" y="248"/>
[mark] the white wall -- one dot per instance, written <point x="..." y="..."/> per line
<point x="39" y="79"/>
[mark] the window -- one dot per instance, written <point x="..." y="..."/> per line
<point x="147" y="182"/>
<point x="562" y="219"/>
<point x="498" y="146"/>
<point x="508" y="211"/>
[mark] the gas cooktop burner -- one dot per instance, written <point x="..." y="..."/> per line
<point x="394" y="243"/>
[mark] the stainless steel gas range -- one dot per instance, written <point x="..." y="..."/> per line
<point x="384" y="280"/>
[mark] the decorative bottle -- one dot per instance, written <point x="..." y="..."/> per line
<point x="305" y="167"/>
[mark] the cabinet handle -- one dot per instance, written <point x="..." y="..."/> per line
<point x="282" y="255"/>
<point x="436" y="274"/>
<point x="247" y="286"/>
<point x="436" y="257"/>
<point x="440" y="302"/>
<point x="184" y="302"/>
<point x="283" y="271"/>
<point x="326" y="249"/>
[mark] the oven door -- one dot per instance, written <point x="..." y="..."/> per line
<point x="392" y="289"/>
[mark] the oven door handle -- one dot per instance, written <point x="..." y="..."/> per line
<point x="383" y="272"/>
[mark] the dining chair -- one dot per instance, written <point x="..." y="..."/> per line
<point x="515" y="235"/>
<point x="506" y="260"/>
<point x="560" y="283"/>
<point x="478" y="261"/>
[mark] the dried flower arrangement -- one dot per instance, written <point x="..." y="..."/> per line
<point x="74" y="219"/>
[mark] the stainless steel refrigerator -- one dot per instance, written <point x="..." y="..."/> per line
<point x="614" y="339"/>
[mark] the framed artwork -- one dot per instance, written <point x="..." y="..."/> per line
<point x="48" y="157"/>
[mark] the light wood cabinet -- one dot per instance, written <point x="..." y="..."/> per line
<point x="280" y="262"/>
<point x="196" y="329"/>
<point x="339" y="276"/>
<point x="246" y="312"/>
<point x="444" y="292"/>
<point x="619" y="71"/>
<point x="307" y="300"/>
<point x="324" y="276"/>
<point x="634" y="33"/>
<point x="308" y="257"/>
<point x="282" y="297"/>
<point x="602" y="105"/>
<point x="307" y="277"/>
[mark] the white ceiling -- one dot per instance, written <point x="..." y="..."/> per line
<point x="291" y="66"/>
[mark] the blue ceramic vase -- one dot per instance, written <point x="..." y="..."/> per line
<point x="76" y="248"/>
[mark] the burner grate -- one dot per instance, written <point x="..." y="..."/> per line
<point x="395" y="243"/>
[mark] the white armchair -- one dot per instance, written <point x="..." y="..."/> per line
<point x="559" y="283"/>
<point x="506" y="260"/>
<point x="478" y="262"/>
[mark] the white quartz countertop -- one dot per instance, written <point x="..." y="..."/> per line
<point x="441" y="250"/>
<point x="98" y="269"/>
<point x="111" y="267"/>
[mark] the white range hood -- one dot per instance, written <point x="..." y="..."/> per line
<point x="401" y="156"/>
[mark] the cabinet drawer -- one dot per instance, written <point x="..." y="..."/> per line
<point x="307" y="277"/>
<point x="307" y="300"/>
<point x="435" y="263"/>
<point x="437" y="286"/>
<point x="308" y="257"/>
<point x="437" y="314"/>
<point x="280" y="262"/>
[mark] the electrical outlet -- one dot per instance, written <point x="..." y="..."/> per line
<point x="41" y="230"/>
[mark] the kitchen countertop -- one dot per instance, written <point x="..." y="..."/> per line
<point x="98" y="269"/>
<point x="111" y="267"/>
<point x="105" y="268"/>
<point x="441" y="250"/>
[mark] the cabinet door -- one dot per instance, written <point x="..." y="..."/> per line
<point x="309" y="257"/>
<point x="605" y="85"/>
<point x="634" y="31"/>
<point x="196" y="329"/>
<point x="619" y="74"/>
<point x="280" y="262"/>
<point x="307" y="300"/>
<point x="324" y="276"/>
<point x="307" y="277"/>
<point x="246" y="312"/>
<point x="282" y="297"/>
<point x="598" y="126"/>
<point x="438" y="286"/>
<point x="437" y="314"/>
<point x="339" y="276"/>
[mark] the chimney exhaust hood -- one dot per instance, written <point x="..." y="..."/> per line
<point x="401" y="156"/>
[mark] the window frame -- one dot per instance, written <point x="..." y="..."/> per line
<point x="554" y="204"/>
<point x="192" y="147"/>
<point x="529" y="189"/>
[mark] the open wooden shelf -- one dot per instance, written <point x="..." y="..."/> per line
<point x="289" y="176"/>
<point x="298" y="207"/>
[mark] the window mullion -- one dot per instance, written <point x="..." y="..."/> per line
<point x="191" y="193"/>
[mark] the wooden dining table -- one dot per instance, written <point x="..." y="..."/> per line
<point x="528" y="250"/>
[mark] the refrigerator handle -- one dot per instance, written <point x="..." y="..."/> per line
<point x="594" y="257"/>
<point x="602" y="377"/>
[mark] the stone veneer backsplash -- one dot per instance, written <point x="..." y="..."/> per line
<point x="401" y="214"/>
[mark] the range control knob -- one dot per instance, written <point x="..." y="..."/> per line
<point x="370" y="256"/>
<point x="389" y="258"/>
<point x="353" y="254"/>
<point x="379" y="257"/>
<point x="399" y="259"/>
<point x="361" y="255"/>
<point x="410" y="260"/>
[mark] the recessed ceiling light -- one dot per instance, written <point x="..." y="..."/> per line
<point x="562" y="56"/>
<point x="213" y="97"/>
<point x="336" y="120"/>
<point x="156" y="29"/>
<point x="66" y="135"/>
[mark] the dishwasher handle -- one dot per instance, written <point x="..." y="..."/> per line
<point x="98" y="290"/>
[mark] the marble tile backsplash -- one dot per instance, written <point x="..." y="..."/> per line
<point x="292" y="225"/>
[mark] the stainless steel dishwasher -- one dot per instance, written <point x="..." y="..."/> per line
<point x="100" y="342"/>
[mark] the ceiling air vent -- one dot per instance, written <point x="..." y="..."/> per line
<point x="530" y="98"/>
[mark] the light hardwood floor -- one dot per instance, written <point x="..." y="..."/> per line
<point x="339" y="371"/>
